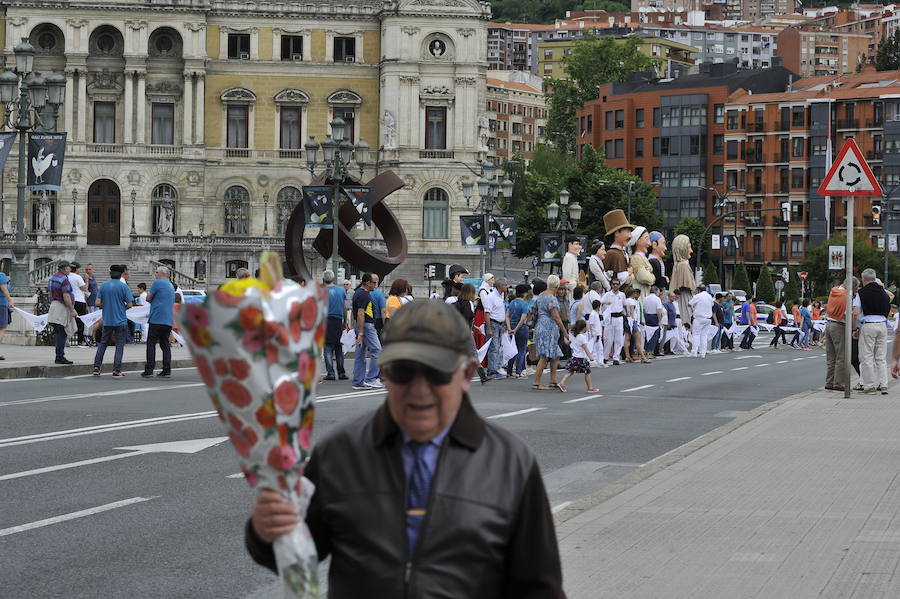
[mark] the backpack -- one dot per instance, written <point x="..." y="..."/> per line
<point x="770" y="319"/>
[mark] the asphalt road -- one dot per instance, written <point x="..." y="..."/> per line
<point x="85" y="516"/>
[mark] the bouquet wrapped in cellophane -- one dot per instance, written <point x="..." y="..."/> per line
<point x="256" y="344"/>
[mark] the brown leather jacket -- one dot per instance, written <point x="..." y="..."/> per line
<point x="489" y="532"/>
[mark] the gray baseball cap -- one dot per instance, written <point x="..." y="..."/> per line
<point x="63" y="264"/>
<point x="427" y="331"/>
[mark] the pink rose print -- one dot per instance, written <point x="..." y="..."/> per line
<point x="236" y="393"/>
<point x="197" y="316"/>
<point x="205" y="371"/>
<point x="286" y="397"/>
<point x="253" y="340"/>
<point x="304" y="438"/>
<point x="282" y="457"/>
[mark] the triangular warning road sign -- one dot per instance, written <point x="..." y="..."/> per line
<point x="850" y="175"/>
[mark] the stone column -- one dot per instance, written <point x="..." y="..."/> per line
<point x="199" y="118"/>
<point x="141" y="106"/>
<point x="69" y="106"/>
<point x="187" y="134"/>
<point x="82" y="104"/>
<point x="129" y="109"/>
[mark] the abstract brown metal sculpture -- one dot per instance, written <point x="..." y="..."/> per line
<point x="349" y="248"/>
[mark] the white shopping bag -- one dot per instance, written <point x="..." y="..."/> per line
<point x="483" y="350"/>
<point x="508" y="345"/>
<point x="348" y="340"/>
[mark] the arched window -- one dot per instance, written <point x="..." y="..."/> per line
<point x="435" y="210"/>
<point x="232" y="266"/>
<point x="164" y="208"/>
<point x="237" y="211"/>
<point x="288" y="198"/>
<point x="345" y="104"/>
<point x="43" y="210"/>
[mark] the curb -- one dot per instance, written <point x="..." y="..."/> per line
<point x="669" y="458"/>
<point x="54" y="371"/>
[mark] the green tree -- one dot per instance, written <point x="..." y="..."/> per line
<point x="694" y="228"/>
<point x="865" y="255"/>
<point x="887" y="58"/>
<point x="597" y="187"/>
<point x="710" y="274"/>
<point x="592" y="63"/>
<point x="741" y="280"/>
<point x="791" y="289"/>
<point x="765" y="287"/>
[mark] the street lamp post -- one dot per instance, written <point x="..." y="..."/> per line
<point x="24" y="93"/>
<point x="563" y="216"/>
<point x="338" y="153"/>
<point x="74" y="204"/>
<point x="133" y="228"/>
<point x="489" y="187"/>
<point x="721" y="200"/>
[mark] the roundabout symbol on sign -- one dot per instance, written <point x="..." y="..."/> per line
<point x="858" y="175"/>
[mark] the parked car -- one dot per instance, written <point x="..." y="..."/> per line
<point x="191" y="296"/>
<point x="762" y="313"/>
<point x="739" y="295"/>
<point x="713" y="289"/>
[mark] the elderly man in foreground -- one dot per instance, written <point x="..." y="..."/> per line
<point x="423" y="498"/>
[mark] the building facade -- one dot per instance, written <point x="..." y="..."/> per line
<point x="672" y="132"/>
<point x="750" y="47"/>
<point x="822" y="52"/>
<point x="203" y="106"/>
<point x="674" y="58"/>
<point x="517" y="114"/>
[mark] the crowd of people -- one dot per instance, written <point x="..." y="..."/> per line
<point x="95" y="315"/>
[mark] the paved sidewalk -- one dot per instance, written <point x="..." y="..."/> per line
<point x="24" y="361"/>
<point x="798" y="498"/>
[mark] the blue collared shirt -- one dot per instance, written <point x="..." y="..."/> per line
<point x="432" y="451"/>
<point x="336" y="297"/>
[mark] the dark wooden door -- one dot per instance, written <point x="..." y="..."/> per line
<point x="104" y="213"/>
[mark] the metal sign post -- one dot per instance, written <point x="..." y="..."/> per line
<point x="849" y="176"/>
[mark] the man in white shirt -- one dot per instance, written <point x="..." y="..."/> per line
<point x="654" y="316"/>
<point x="702" y="306"/>
<point x="570" y="263"/>
<point x="491" y="295"/>
<point x="78" y="299"/>
<point x="614" y="331"/>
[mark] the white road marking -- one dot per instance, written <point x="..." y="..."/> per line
<point x="746" y="357"/>
<point x="760" y="365"/>
<point x="350" y="395"/>
<point x="636" y="388"/>
<point x="73" y="515"/>
<point x="34" y="378"/>
<point x="516" y="413"/>
<point x="782" y="362"/>
<point x="237" y="475"/>
<point x="115" y="392"/>
<point x="741" y="368"/>
<point x="583" y="399"/>
<point x="561" y="506"/>
<point x="798" y="359"/>
<point x="711" y="373"/>
<point x="189" y="446"/>
<point x="681" y="378"/>
<point x="103" y="428"/>
<point x="84" y="376"/>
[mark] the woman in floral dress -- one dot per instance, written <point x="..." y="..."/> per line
<point x="547" y="333"/>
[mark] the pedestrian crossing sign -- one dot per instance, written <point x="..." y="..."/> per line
<point x="850" y="175"/>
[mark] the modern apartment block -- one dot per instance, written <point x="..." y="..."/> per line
<point x="822" y="52"/>
<point x="751" y="47"/>
<point x="517" y="114"/>
<point x="776" y="147"/>
<point x="675" y="59"/>
<point x="673" y="132"/>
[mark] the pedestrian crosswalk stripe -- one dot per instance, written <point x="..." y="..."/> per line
<point x="636" y="388"/>
<point x="741" y="368"/>
<point x="760" y="365"/>
<point x="710" y="373"/>
<point x="681" y="378"/>
<point x="583" y="399"/>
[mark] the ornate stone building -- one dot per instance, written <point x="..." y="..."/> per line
<point x="186" y="121"/>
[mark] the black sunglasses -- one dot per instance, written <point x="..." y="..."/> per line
<point x="405" y="372"/>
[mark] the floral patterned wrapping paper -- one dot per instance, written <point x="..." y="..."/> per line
<point x="256" y="344"/>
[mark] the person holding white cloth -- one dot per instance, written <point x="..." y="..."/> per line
<point x="875" y="307"/>
<point x="702" y="307"/>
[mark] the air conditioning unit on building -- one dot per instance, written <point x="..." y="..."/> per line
<point x="297" y="57"/>
<point x="245" y="56"/>
<point x="349" y="59"/>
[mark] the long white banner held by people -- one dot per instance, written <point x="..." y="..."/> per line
<point x="137" y="315"/>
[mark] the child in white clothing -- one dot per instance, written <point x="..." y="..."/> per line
<point x="595" y="331"/>
<point x="582" y="357"/>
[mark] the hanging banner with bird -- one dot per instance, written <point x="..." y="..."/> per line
<point x="471" y="231"/>
<point x="317" y="205"/>
<point x="7" y="140"/>
<point x="45" y="161"/>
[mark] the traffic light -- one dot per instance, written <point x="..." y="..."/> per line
<point x="876" y="214"/>
<point x="431" y="271"/>
<point x="786" y="211"/>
